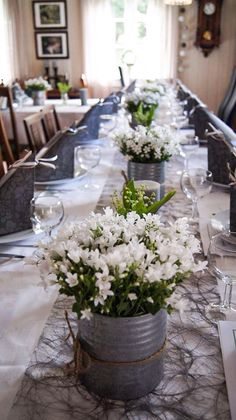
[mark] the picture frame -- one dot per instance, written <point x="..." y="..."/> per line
<point x="50" y="14"/>
<point x="52" y="45"/>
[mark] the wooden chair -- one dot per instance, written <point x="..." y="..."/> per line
<point x="51" y="121"/>
<point x="6" y="150"/>
<point x="5" y="92"/>
<point x="3" y="165"/>
<point x="35" y="131"/>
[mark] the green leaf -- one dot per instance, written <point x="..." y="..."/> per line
<point x="158" y="204"/>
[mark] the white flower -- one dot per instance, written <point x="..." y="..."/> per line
<point x="132" y="296"/>
<point x="86" y="314"/>
<point x="37" y="83"/>
<point x="147" y="144"/>
<point x="107" y="254"/>
<point x="72" y="279"/>
<point x="150" y="300"/>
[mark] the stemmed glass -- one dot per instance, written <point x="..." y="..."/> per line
<point x="222" y="264"/>
<point x="106" y="125"/>
<point x="189" y="144"/>
<point x="87" y="157"/>
<point x="196" y="183"/>
<point x="46" y="212"/>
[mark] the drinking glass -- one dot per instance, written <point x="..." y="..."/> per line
<point x="196" y="183"/>
<point x="189" y="144"/>
<point x="46" y="212"/>
<point x="222" y="265"/>
<point x="87" y="157"/>
<point x="106" y="125"/>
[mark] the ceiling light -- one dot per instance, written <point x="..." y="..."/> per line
<point x="178" y="2"/>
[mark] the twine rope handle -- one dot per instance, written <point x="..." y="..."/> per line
<point x="131" y="363"/>
<point x="81" y="362"/>
<point x="30" y="165"/>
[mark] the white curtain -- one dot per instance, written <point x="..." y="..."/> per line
<point x="156" y="57"/>
<point x="9" y="18"/>
<point x="98" y="45"/>
<point x="160" y="52"/>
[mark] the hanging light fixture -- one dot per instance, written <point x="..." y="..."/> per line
<point x="178" y="2"/>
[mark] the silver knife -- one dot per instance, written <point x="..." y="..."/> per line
<point x="7" y="255"/>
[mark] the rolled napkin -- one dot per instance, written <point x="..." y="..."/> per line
<point x="16" y="192"/>
<point x="150" y="188"/>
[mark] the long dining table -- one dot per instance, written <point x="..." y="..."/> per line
<point x="34" y="344"/>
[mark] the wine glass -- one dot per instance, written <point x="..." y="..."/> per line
<point x="87" y="157"/>
<point x="196" y="183"/>
<point x="222" y="265"/>
<point x="189" y="144"/>
<point x="46" y="212"/>
<point x="107" y="123"/>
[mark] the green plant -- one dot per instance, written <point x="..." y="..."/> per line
<point x="134" y="199"/>
<point x="144" y="115"/>
<point x="63" y="87"/>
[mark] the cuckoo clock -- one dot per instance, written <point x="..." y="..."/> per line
<point x="208" y="27"/>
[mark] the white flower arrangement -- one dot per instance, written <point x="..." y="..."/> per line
<point x="147" y="145"/>
<point x="154" y="86"/>
<point x="119" y="266"/>
<point x="147" y="98"/>
<point x="37" y="84"/>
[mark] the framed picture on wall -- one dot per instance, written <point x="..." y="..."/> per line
<point x="51" y="44"/>
<point x="49" y="14"/>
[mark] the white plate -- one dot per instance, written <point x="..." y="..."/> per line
<point x="58" y="182"/>
<point x="18" y="236"/>
<point x="219" y="222"/>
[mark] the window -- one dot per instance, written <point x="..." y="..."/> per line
<point x="131" y="30"/>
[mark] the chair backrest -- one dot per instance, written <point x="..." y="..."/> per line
<point x="230" y="90"/>
<point x="5" y="145"/>
<point x="35" y="131"/>
<point x="51" y="121"/>
<point x="3" y="165"/>
<point x="5" y="92"/>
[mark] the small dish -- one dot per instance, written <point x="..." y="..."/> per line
<point x="58" y="182"/>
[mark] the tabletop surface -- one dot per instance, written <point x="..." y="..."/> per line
<point x="193" y="386"/>
<point x="72" y="105"/>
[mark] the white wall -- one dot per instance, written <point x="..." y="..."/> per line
<point x="209" y="76"/>
<point x="29" y="64"/>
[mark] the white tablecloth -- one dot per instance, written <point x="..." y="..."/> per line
<point x="25" y="305"/>
<point x="67" y="114"/>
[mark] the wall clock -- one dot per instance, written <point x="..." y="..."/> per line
<point x="208" y="27"/>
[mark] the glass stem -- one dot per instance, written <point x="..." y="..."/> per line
<point x="186" y="163"/>
<point x="226" y="303"/>
<point x="194" y="209"/>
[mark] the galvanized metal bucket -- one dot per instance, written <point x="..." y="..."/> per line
<point x="126" y="354"/>
<point x="39" y="97"/>
<point x="150" y="171"/>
